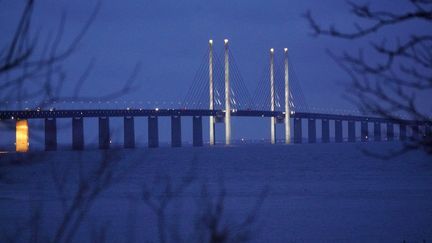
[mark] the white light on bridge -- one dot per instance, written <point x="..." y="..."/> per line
<point x="271" y="50"/>
<point x="285" y="49"/>
<point x="210" y="42"/>
<point x="226" y="41"/>
<point x="157" y="109"/>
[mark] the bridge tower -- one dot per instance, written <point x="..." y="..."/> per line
<point x="227" y="96"/>
<point x="272" y="99"/>
<point x="287" y="94"/>
<point x="211" y="89"/>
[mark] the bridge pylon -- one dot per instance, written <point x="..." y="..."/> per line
<point x="227" y="95"/>
<point x="272" y="99"/>
<point x="211" y="95"/>
<point x="287" y="95"/>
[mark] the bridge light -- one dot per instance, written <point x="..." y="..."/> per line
<point x="226" y="41"/>
<point x="211" y="42"/>
<point x="271" y="50"/>
<point x="157" y="109"/>
<point x="285" y="49"/>
<point x="22" y="141"/>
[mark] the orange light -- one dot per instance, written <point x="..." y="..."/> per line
<point x="22" y="141"/>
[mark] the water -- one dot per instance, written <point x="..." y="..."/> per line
<point x="315" y="193"/>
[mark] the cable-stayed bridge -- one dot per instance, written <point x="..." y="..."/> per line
<point x="218" y="91"/>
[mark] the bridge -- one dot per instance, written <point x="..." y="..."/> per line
<point x="219" y="93"/>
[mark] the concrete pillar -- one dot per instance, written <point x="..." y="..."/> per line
<point x="104" y="133"/>
<point x="311" y="130"/>
<point x="176" y="131"/>
<point x="338" y="131"/>
<point x="297" y="130"/>
<point x="351" y="131"/>
<point x="415" y="132"/>
<point x="129" y="132"/>
<point x="390" y="131"/>
<point x="77" y="133"/>
<point x="211" y="96"/>
<point x="272" y="99"/>
<point x="287" y="106"/>
<point x="22" y="136"/>
<point x="377" y="131"/>
<point x="153" y="132"/>
<point x="402" y="132"/>
<point x="428" y="130"/>
<point x="364" y="131"/>
<point x="50" y="134"/>
<point x="325" y="130"/>
<point x="197" y="131"/>
<point x="227" y="96"/>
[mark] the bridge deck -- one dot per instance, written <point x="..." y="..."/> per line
<point x="35" y="114"/>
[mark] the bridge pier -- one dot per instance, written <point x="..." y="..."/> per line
<point x="351" y="131"/>
<point x="197" y="131"/>
<point x="153" y="132"/>
<point x="390" y="131"/>
<point x="427" y="130"/>
<point x="415" y="132"/>
<point x="21" y="136"/>
<point x="104" y="133"/>
<point x="129" y="132"/>
<point x="364" y="131"/>
<point x="77" y="133"/>
<point x="297" y="130"/>
<point x="325" y="130"/>
<point x="377" y="131"/>
<point x="402" y="132"/>
<point x="176" y="131"/>
<point x="50" y="134"/>
<point x="311" y="130"/>
<point x="338" y="131"/>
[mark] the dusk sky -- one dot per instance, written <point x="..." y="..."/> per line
<point x="169" y="39"/>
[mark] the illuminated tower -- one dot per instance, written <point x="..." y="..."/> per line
<point x="272" y="98"/>
<point x="227" y="97"/>
<point x="287" y="94"/>
<point x="211" y="118"/>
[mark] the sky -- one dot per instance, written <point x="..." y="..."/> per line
<point x="169" y="38"/>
